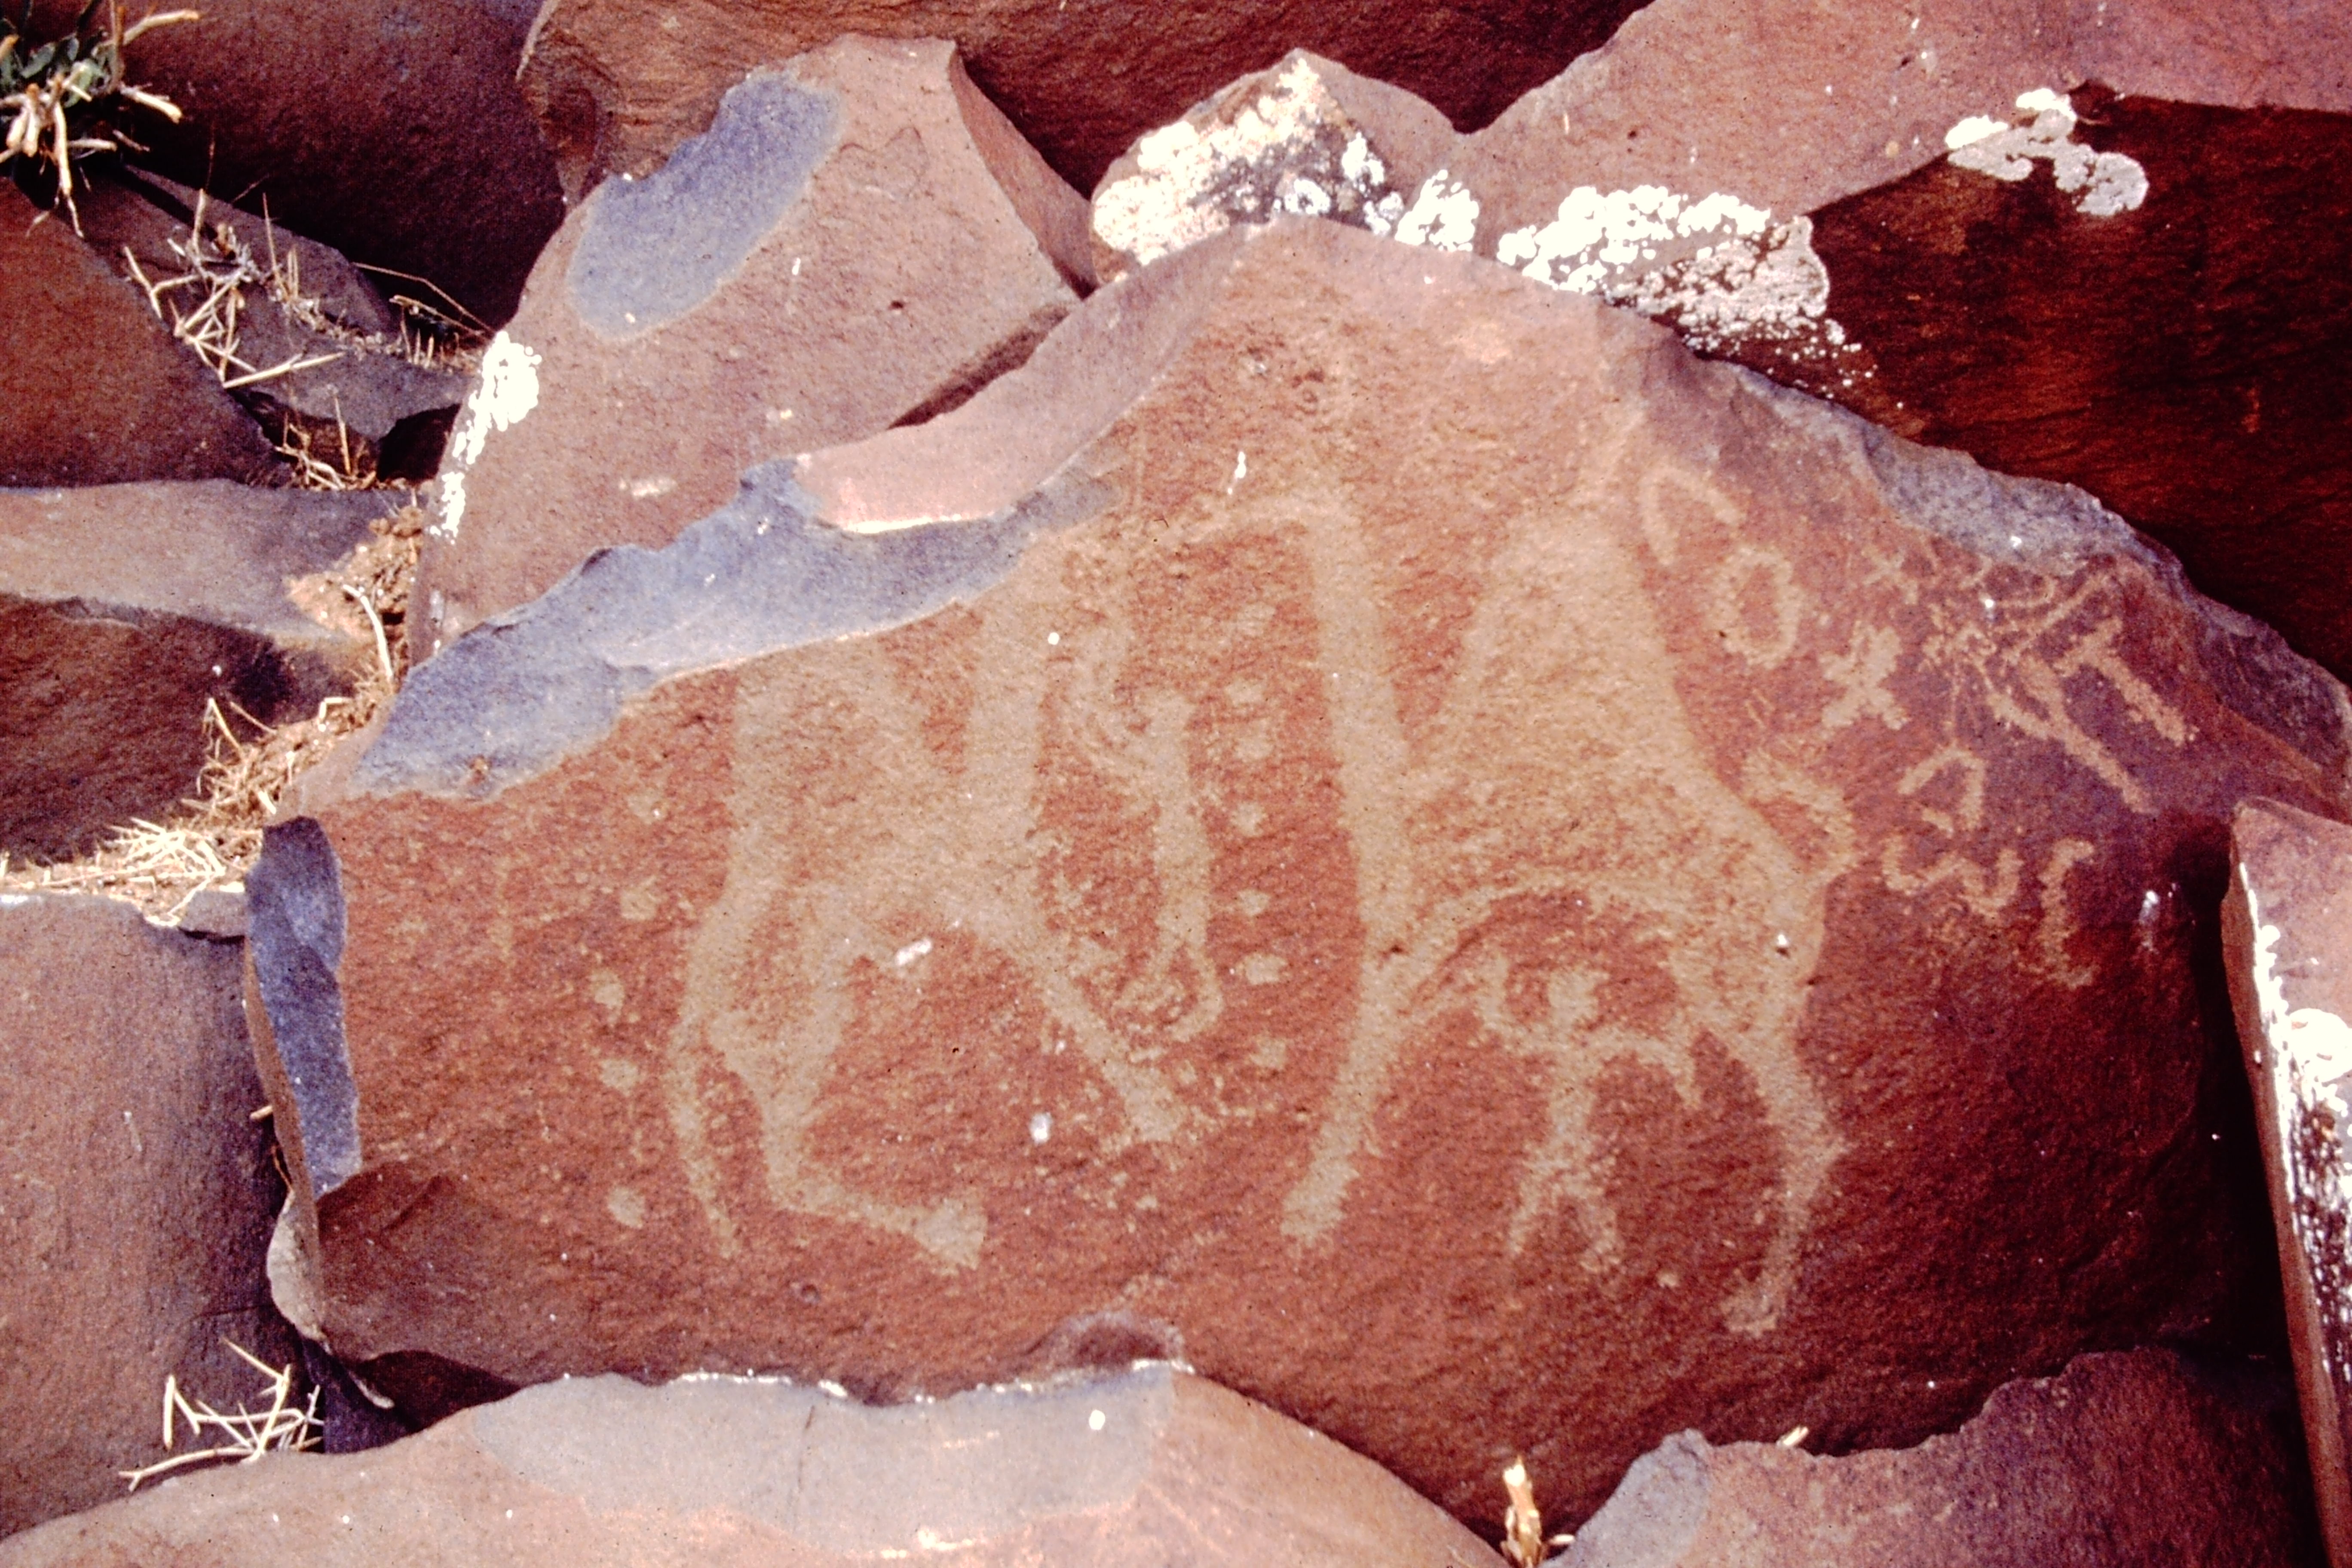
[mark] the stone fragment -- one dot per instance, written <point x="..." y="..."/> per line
<point x="2125" y="1459"/>
<point x="125" y="608"/>
<point x="1082" y="80"/>
<point x="1150" y="1466"/>
<point x="317" y="345"/>
<point x="899" y="246"/>
<point x="93" y="390"/>
<point x="136" y="1195"/>
<point x="2287" y="935"/>
<point x="1359" y="820"/>
<point x="1305" y="137"/>
<point x="395" y="133"/>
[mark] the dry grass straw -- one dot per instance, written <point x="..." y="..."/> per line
<point x="43" y="86"/>
<point x="215" y="836"/>
<point x="278" y="1427"/>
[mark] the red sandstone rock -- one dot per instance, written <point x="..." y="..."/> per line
<point x="123" y="609"/>
<point x="2125" y="1460"/>
<point x="859" y="238"/>
<point x="1082" y="80"/>
<point x="97" y="391"/>
<point x="1152" y="1467"/>
<point x="136" y="1195"/>
<point x="1358" y="819"/>
<point x="2287" y="928"/>
<point x="395" y="133"/>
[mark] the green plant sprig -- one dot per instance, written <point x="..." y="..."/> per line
<point x="44" y="87"/>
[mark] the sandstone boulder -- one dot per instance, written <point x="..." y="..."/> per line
<point x="2288" y="928"/>
<point x="317" y="345"/>
<point x="136" y="1195"/>
<point x="2124" y="1461"/>
<point x="395" y="133"/>
<point x="100" y="390"/>
<point x="859" y="238"/>
<point x="1081" y="81"/>
<point x="1368" y="823"/>
<point x="1152" y="1466"/>
<point x="1305" y="138"/>
<point x="125" y="608"/>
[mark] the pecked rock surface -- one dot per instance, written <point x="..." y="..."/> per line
<point x="1081" y="79"/>
<point x="1941" y="221"/>
<point x="1359" y="820"/>
<point x="2287" y="926"/>
<point x="124" y="608"/>
<point x="859" y="238"/>
<point x="136" y="1195"/>
<point x="1149" y="1467"/>
<point x="104" y="395"/>
<point x="2130" y="1459"/>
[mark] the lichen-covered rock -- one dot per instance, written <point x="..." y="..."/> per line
<point x="1148" y="1467"/>
<point x="2124" y="1461"/>
<point x="125" y="608"/>
<point x="1305" y="138"/>
<point x="2288" y="938"/>
<point x="1360" y="819"/>
<point x="1081" y="78"/>
<point x="859" y="238"/>
<point x="99" y="391"/>
<point x="136" y="1195"/>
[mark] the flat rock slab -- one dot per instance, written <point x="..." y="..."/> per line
<point x="1081" y="78"/>
<point x="2288" y="930"/>
<point x="395" y="133"/>
<point x="2125" y="1459"/>
<point x="125" y="608"/>
<point x="353" y="378"/>
<point x="1359" y="820"/>
<point x="105" y="393"/>
<point x="136" y="1195"/>
<point x="859" y="238"/>
<point x="1150" y="1467"/>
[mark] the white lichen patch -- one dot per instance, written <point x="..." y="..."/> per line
<point x="507" y="390"/>
<point x="1717" y="269"/>
<point x="2307" y="1057"/>
<point x="1288" y="150"/>
<point x="1444" y="215"/>
<point x="2101" y="183"/>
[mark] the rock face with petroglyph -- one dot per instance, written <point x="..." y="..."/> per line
<point x="1360" y="819"/>
<point x="1150" y="1466"/>
<point x="2138" y="1458"/>
<point x="859" y="237"/>
<point x="2287" y="928"/>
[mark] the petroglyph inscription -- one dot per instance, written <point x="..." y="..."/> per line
<point x="1103" y="821"/>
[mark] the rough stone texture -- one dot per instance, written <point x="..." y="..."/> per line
<point x="1306" y="137"/>
<point x="2126" y="1459"/>
<point x="123" y="609"/>
<point x="101" y="394"/>
<point x="1150" y="1467"/>
<point x="1372" y="823"/>
<point x="2287" y="928"/>
<point x="859" y="238"/>
<point x="136" y="1195"/>
<point x="395" y="133"/>
<point x="2182" y="360"/>
<point x="1081" y="78"/>
<point x="369" y="383"/>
